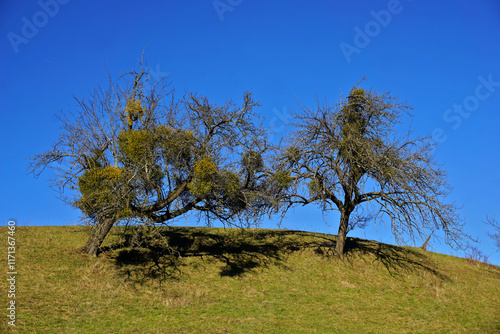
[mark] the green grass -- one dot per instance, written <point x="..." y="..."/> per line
<point x="239" y="281"/>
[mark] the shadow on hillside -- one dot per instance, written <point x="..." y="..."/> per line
<point x="162" y="254"/>
<point x="396" y="259"/>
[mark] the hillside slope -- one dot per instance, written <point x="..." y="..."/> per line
<point x="234" y="281"/>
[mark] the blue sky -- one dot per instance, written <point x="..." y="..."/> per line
<point x="441" y="57"/>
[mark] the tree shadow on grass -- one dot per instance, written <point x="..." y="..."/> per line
<point x="161" y="255"/>
<point x="396" y="259"/>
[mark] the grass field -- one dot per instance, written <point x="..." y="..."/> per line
<point x="242" y="281"/>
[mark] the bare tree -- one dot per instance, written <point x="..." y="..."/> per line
<point x="349" y="154"/>
<point x="136" y="153"/>
<point x="495" y="234"/>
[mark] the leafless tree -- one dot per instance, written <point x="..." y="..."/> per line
<point x="495" y="234"/>
<point x="137" y="153"/>
<point x="349" y="154"/>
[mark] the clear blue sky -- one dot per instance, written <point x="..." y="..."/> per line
<point x="440" y="56"/>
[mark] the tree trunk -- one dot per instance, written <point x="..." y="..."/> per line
<point x="341" y="236"/>
<point x="424" y="246"/>
<point x="98" y="234"/>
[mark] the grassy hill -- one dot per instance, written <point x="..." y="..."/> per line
<point x="235" y="281"/>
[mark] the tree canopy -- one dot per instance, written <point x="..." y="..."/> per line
<point x="348" y="154"/>
<point x="138" y="153"/>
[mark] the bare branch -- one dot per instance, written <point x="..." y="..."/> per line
<point x="350" y="153"/>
